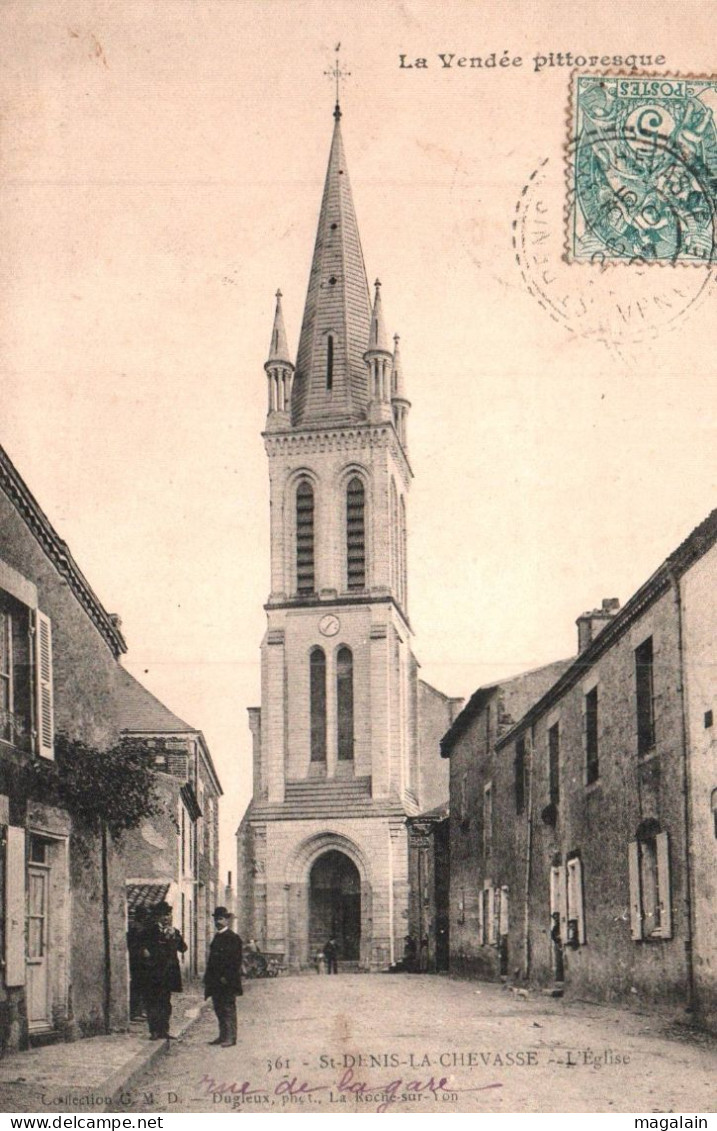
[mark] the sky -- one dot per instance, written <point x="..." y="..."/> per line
<point x="162" y="166"/>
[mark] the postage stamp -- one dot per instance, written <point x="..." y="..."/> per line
<point x="642" y="169"/>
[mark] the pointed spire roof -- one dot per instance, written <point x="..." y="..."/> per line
<point x="378" y="339"/>
<point x="331" y="379"/>
<point x="278" y="347"/>
<point x="398" y="385"/>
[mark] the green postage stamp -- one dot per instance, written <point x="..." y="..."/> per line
<point x="642" y="173"/>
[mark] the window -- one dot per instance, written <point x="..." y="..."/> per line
<point x="355" y="534"/>
<point x="393" y="530"/>
<point x="402" y="556"/>
<point x="650" y="894"/>
<point x="591" y="736"/>
<point x="317" y="679"/>
<point x="305" y="537"/>
<point x="645" y="697"/>
<point x="520" y="775"/>
<point x="554" y="763"/>
<point x="345" y="703"/>
<point x="487" y="818"/>
<point x="26" y="692"/>
<point x="330" y="362"/>
<point x="463" y="812"/>
<point x="7" y="699"/>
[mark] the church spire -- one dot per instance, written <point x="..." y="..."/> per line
<point x="378" y="360"/>
<point x="279" y="370"/>
<point x="331" y="381"/>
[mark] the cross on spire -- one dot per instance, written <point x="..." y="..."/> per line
<point x="339" y="76"/>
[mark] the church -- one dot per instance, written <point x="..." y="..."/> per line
<point x="346" y="741"/>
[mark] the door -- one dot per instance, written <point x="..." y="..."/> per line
<point x="38" y="1013"/>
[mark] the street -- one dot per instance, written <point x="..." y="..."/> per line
<point x="427" y="1044"/>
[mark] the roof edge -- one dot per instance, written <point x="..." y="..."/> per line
<point x="59" y="553"/>
<point x="695" y="546"/>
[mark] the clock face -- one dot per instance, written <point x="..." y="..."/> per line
<point x="329" y="625"/>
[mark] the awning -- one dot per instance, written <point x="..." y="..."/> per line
<point x="145" y="895"/>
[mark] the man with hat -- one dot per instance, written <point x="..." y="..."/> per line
<point x="222" y="978"/>
<point x="161" y="976"/>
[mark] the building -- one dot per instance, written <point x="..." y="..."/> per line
<point x="599" y="806"/>
<point x="345" y="741"/>
<point x="64" y="922"/>
<point x="59" y="664"/>
<point x="175" y="856"/>
<point x="479" y="896"/>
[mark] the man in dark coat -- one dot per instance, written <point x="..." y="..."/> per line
<point x="331" y="954"/>
<point x="222" y="978"/>
<point x="162" y="975"/>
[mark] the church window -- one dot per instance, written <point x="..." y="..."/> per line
<point x="345" y="703"/>
<point x="402" y="553"/>
<point x="305" y="537"/>
<point x="356" y="534"/>
<point x="317" y="668"/>
<point x="330" y="362"/>
<point x="394" y="538"/>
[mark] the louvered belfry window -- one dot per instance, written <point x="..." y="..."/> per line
<point x="356" y="534"/>
<point x="345" y="703"/>
<point x="305" y="537"/>
<point x="317" y="677"/>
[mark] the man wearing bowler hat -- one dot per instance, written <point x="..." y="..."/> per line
<point x="222" y="978"/>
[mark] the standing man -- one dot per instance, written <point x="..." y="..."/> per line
<point x="161" y="944"/>
<point x="222" y="978"/>
<point x="331" y="954"/>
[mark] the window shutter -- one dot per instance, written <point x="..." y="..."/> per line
<point x="488" y="896"/>
<point x="576" y="903"/>
<point x="662" y="844"/>
<point x="495" y="933"/>
<point x="633" y="861"/>
<point x="503" y="930"/>
<point x="481" y="917"/>
<point x="15" y="907"/>
<point x="43" y="686"/>
<point x="559" y="898"/>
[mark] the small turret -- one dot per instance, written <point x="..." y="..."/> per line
<point x="399" y="400"/>
<point x="378" y="359"/>
<point x="279" y="371"/>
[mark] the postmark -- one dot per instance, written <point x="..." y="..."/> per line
<point x="620" y="303"/>
<point x="642" y="170"/>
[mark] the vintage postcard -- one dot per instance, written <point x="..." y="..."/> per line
<point x="350" y="353"/>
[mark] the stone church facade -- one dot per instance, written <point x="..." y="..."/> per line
<point x="346" y="741"/>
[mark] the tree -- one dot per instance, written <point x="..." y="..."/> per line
<point x="107" y="793"/>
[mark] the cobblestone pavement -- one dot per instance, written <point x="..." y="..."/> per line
<point x="428" y="1044"/>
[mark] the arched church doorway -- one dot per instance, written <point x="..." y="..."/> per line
<point x="335" y="905"/>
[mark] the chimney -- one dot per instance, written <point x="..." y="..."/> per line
<point x="591" y="623"/>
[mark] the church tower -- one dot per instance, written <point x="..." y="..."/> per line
<point x="323" y="846"/>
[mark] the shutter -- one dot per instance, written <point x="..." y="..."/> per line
<point x="488" y="898"/>
<point x="495" y="932"/>
<point x="664" y="893"/>
<point x="576" y="902"/>
<point x="633" y="861"/>
<point x="554" y="890"/>
<point x="503" y="930"/>
<point x="481" y="920"/>
<point x="43" y="686"/>
<point x="15" y="907"/>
